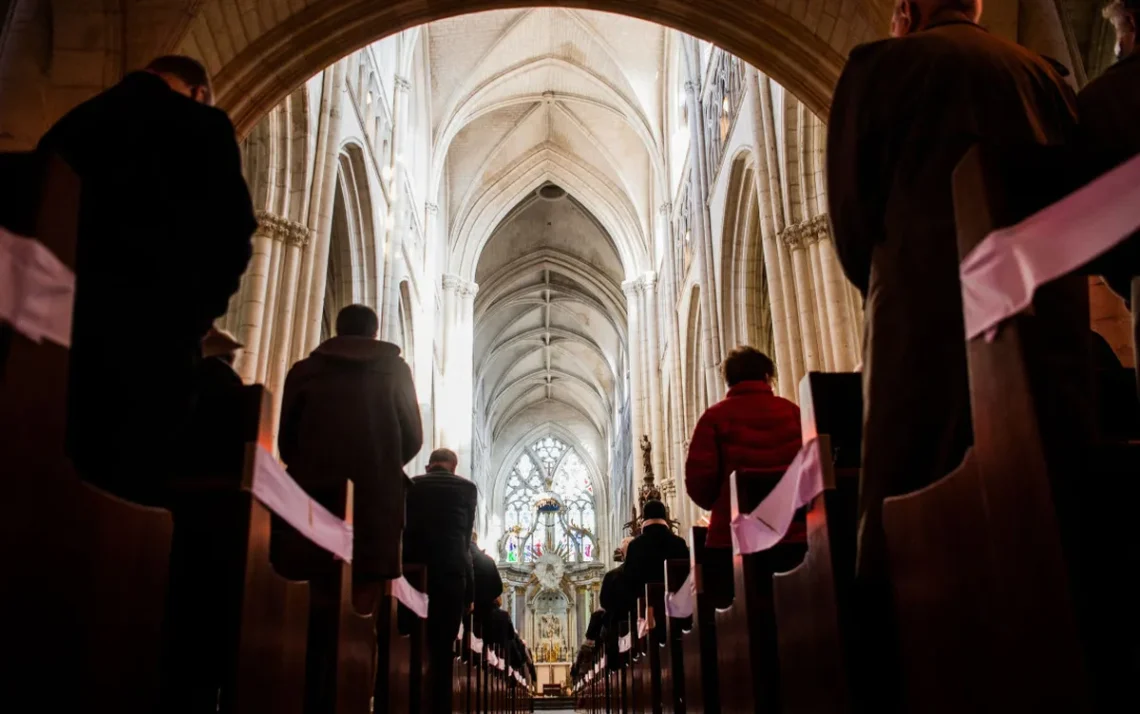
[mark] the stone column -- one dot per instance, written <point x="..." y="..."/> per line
<point x="294" y="237"/>
<point x="309" y="325"/>
<point x="454" y="409"/>
<point x="324" y="171"/>
<point x="396" y="225"/>
<point x="823" y="317"/>
<point x="793" y="239"/>
<point x="676" y="406"/>
<point x="653" y="345"/>
<point x="780" y="340"/>
<point x="710" y="315"/>
<point x="252" y="310"/>
<point x="273" y="289"/>
<point x="838" y="299"/>
<point x="634" y="342"/>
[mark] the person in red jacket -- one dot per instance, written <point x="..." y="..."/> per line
<point x="751" y="428"/>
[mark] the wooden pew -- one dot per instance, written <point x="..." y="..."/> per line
<point x="1012" y="579"/>
<point x="747" y="665"/>
<point x="85" y="573"/>
<point x="673" y="659"/>
<point x="461" y="680"/>
<point x="702" y="683"/>
<point x="236" y="631"/>
<point x="655" y="648"/>
<point x="403" y="651"/>
<point x="813" y="600"/>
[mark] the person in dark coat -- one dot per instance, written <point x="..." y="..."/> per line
<point x="441" y="514"/>
<point x="164" y="236"/>
<point x="904" y="113"/>
<point x="617" y="599"/>
<point x="1110" y="135"/>
<point x="647" y="553"/>
<point x="488" y="582"/>
<point x="349" y="413"/>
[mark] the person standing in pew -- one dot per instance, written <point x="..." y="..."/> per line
<point x="647" y="553"/>
<point x="488" y="582"/>
<point x="618" y="601"/>
<point x="1110" y="135"/>
<point x="751" y="428"/>
<point x="904" y="113"/>
<point x="349" y="413"/>
<point x="440" y="515"/>
<point x="164" y="236"/>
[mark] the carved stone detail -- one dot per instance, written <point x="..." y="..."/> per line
<point x="282" y="229"/>
<point x="806" y="233"/>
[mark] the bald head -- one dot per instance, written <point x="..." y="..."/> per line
<point x="1124" y="16"/>
<point x="911" y="16"/>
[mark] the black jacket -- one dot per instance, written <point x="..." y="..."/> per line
<point x="646" y="556"/>
<point x="488" y="582"/>
<point x="349" y="411"/>
<point x="164" y="237"/>
<point x="594" y="628"/>
<point x="440" y="516"/>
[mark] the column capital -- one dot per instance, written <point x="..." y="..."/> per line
<point x="402" y="84"/>
<point x="807" y="232"/>
<point x="282" y="229"/>
<point x="691" y="88"/>
<point x="649" y="281"/>
<point x="666" y="209"/>
<point x="431" y="208"/>
<point x="456" y="284"/>
<point x="632" y="287"/>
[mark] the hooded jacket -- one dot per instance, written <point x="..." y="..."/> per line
<point x="349" y="412"/>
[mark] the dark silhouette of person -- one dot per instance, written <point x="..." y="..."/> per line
<point x="1110" y="135"/>
<point x="441" y="514"/>
<point x="647" y="553"/>
<point x="488" y="582"/>
<point x="905" y="111"/>
<point x="164" y="236"/>
<point x="349" y="413"/>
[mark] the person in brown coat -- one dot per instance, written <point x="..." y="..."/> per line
<point x="1110" y="135"/>
<point x="349" y="411"/>
<point x="905" y="111"/>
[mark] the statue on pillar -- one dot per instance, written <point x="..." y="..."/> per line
<point x="647" y="457"/>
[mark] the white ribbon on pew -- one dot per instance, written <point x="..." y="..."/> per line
<point x="642" y="627"/>
<point x="602" y="664"/>
<point x="680" y="603"/>
<point x="502" y="664"/>
<point x="273" y="486"/>
<point x="766" y="526"/>
<point x="37" y="291"/>
<point x="411" y="598"/>
<point x="624" y="643"/>
<point x="460" y="635"/>
<point x="476" y="645"/>
<point x="1000" y="275"/>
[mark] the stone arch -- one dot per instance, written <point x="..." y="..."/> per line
<point x="608" y="205"/>
<point x="696" y="395"/>
<point x="746" y="302"/>
<point x="256" y="63"/>
<point x="351" y="240"/>
<point x="406" y="325"/>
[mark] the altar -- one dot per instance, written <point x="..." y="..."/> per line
<point x="552" y="673"/>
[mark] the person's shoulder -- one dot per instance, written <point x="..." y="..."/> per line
<point x="1123" y="75"/>
<point x="866" y="53"/>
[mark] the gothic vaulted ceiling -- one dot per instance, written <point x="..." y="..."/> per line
<point x="548" y="127"/>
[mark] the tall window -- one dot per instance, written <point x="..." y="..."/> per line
<point x="549" y="505"/>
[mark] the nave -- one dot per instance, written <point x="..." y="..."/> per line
<point x="1009" y="580"/>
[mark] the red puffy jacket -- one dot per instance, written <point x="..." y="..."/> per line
<point x="751" y="428"/>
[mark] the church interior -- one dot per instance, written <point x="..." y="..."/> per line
<point x="566" y="217"/>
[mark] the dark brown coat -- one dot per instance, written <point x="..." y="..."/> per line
<point x="349" y="411"/>
<point x="904" y="113"/>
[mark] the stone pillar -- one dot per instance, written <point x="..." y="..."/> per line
<point x="653" y="351"/>
<point x="324" y="171"/>
<point x="793" y="239"/>
<point x="634" y="341"/>
<point x="779" y="252"/>
<point x="676" y="406"/>
<point x="838" y="298"/>
<point x="785" y="384"/>
<point x="396" y="225"/>
<point x="823" y="318"/>
<point x="251" y="312"/>
<point x="273" y="289"/>
<point x="320" y="217"/>
<point x="294" y="237"/>
<point x="710" y="315"/>
<point x="454" y="408"/>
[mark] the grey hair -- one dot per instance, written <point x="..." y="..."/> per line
<point x="1116" y="13"/>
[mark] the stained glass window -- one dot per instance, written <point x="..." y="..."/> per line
<point x="549" y="465"/>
